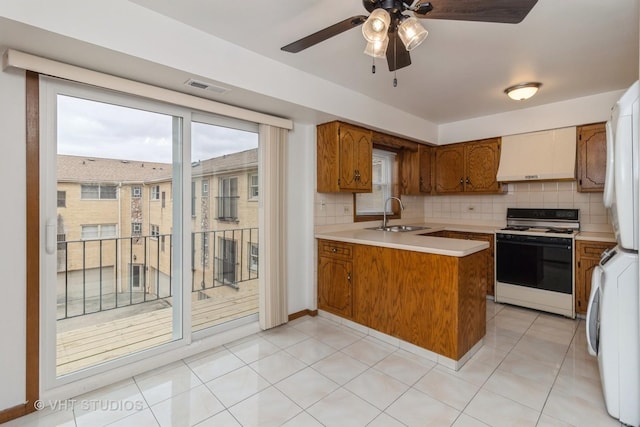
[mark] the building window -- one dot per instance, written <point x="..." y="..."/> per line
<point x="369" y="204"/>
<point x="98" y="192"/>
<point x="98" y="231"/>
<point x="155" y="231"/>
<point x="162" y="241"/>
<point x="62" y="199"/>
<point x="205" y="187"/>
<point x="155" y="192"/>
<point x="228" y="199"/>
<point x="135" y="275"/>
<point x="164" y="199"/>
<point x="136" y="192"/>
<point x="253" y="257"/>
<point x="62" y="242"/>
<point x="136" y="229"/>
<point x="253" y="186"/>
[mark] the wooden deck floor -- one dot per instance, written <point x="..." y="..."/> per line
<point x="99" y="341"/>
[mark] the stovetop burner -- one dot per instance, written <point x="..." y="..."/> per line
<point x="560" y="230"/>
<point x="537" y="221"/>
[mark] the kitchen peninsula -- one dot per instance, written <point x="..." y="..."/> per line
<point x="427" y="291"/>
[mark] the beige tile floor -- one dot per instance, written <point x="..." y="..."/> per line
<point x="533" y="370"/>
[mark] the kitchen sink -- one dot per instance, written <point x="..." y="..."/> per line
<point x="400" y="228"/>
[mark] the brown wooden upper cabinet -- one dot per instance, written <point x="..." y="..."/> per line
<point x="344" y="158"/>
<point x="468" y="167"/>
<point x="415" y="170"/>
<point x="592" y="157"/>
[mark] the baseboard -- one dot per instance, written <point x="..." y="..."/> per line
<point x="13" y="413"/>
<point x="307" y="312"/>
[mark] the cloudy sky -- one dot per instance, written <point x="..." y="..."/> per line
<point x="94" y="129"/>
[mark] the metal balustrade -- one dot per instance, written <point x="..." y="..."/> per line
<point x="105" y="274"/>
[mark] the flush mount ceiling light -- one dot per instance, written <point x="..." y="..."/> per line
<point x="522" y="91"/>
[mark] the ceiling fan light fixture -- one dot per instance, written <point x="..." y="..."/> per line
<point x="377" y="49"/>
<point x="376" y="26"/>
<point x="411" y="32"/>
<point x="522" y="91"/>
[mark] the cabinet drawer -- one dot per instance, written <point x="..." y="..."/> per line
<point x="592" y="249"/>
<point x="335" y="249"/>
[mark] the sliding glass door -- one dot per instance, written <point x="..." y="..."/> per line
<point x="150" y="228"/>
<point x="224" y="222"/>
<point x="113" y="253"/>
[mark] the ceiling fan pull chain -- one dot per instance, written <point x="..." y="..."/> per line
<point x="395" y="60"/>
<point x="373" y="65"/>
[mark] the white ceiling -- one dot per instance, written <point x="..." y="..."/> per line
<point x="574" y="47"/>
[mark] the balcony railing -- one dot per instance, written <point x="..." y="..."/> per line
<point x="105" y="274"/>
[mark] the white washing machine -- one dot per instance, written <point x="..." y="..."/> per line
<point x="613" y="333"/>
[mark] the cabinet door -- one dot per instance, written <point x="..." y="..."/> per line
<point x="425" y="168"/>
<point x="481" y="166"/>
<point x="449" y="169"/>
<point x="587" y="257"/>
<point x="334" y="286"/>
<point x="592" y="157"/>
<point x="355" y="155"/>
<point x="410" y="172"/>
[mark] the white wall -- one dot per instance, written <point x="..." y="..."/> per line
<point x="12" y="230"/>
<point x="301" y="177"/>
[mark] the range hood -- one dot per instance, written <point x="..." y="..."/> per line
<point x="545" y="155"/>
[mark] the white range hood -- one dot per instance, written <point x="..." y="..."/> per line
<point x="545" y="155"/>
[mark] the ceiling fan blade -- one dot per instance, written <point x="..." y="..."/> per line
<point x="397" y="55"/>
<point x="501" y="11"/>
<point x="324" y="34"/>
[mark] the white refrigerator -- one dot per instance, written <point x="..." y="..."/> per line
<point x="613" y="315"/>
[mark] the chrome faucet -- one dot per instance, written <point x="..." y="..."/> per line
<point x="384" y="210"/>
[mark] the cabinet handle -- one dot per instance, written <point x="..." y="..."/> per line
<point x="334" y="250"/>
<point x="468" y="181"/>
<point x="349" y="276"/>
<point x="461" y="182"/>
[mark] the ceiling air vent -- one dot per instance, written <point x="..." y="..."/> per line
<point x="206" y="86"/>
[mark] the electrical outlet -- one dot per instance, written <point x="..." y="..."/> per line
<point x="346" y="209"/>
<point x="323" y="205"/>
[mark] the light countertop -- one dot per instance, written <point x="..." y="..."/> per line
<point x="596" y="237"/>
<point x="410" y="241"/>
<point x="415" y="241"/>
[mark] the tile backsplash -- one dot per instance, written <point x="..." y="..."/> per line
<point x="333" y="209"/>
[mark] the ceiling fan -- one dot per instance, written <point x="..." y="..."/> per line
<point x="392" y="33"/>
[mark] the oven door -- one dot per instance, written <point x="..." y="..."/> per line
<point x="538" y="262"/>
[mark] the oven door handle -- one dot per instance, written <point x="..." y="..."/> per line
<point x="539" y="244"/>
<point x="593" y="308"/>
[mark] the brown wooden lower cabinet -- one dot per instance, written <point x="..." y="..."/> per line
<point x="335" y="278"/>
<point x="587" y="257"/>
<point x="433" y="301"/>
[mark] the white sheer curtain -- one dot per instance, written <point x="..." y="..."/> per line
<point x="272" y="222"/>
